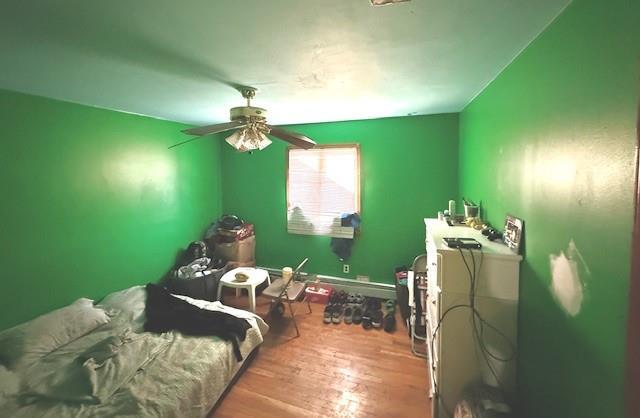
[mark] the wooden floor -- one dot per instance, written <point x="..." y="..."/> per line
<point x="329" y="371"/>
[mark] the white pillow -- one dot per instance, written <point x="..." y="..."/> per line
<point x="131" y="301"/>
<point x="9" y="382"/>
<point x="26" y="343"/>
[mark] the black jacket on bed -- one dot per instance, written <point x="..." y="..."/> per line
<point x="166" y="312"/>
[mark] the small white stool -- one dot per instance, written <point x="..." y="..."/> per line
<point x="256" y="278"/>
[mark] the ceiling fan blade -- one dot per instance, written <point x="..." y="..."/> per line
<point x="214" y="129"/>
<point x="184" y="142"/>
<point x="293" y="138"/>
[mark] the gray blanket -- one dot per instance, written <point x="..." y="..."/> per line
<point x="97" y="372"/>
<point x="113" y="372"/>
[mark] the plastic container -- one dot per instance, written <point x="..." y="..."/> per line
<point x="471" y="211"/>
<point x="452" y="208"/>
<point x="318" y="292"/>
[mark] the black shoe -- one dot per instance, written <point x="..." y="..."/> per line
<point x="376" y="319"/>
<point x="389" y="323"/>
<point x="333" y="297"/>
<point x="336" y="314"/>
<point x="366" y="319"/>
<point x="357" y="315"/>
<point x="342" y="297"/>
<point x="328" y="310"/>
<point x="374" y="304"/>
<point x="351" y="299"/>
<point x="348" y="315"/>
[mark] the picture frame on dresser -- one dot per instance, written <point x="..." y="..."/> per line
<point x="513" y="233"/>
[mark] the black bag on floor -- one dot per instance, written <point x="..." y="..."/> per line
<point x="402" y="292"/>
<point x="205" y="287"/>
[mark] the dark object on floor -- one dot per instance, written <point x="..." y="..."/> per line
<point x="333" y="297"/>
<point x="402" y="292"/>
<point x="205" y="287"/>
<point x="389" y="322"/>
<point x="376" y="319"/>
<point x="328" y="312"/>
<point x="166" y="312"/>
<point x="277" y="311"/>
<point x="359" y="299"/>
<point x="374" y="304"/>
<point x="482" y="401"/>
<point x="357" y="315"/>
<point x="366" y="319"/>
<point x="342" y="297"/>
<point x="336" y="314"/>
<point x="348" y="315"/>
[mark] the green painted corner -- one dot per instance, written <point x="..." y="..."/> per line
<point x="408" y="171"/>
<point x="93" y="201"/>
<point x="552" y="140"/>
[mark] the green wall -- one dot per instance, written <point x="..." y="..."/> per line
<point x="408" y="171"/>
<point x="93" y="201"/>
<point x="552" y="140"/>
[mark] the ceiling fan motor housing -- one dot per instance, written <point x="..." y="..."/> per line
<point x="248" y="112"/>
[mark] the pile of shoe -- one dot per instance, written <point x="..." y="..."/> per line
<point x="374" y="318"/>
<point x="356" y="309"/>
<point x="343" y="307"/>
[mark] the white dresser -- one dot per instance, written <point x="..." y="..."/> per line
<point x="456" y="356"/>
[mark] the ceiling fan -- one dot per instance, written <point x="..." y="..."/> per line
<point x="252" y="128"/>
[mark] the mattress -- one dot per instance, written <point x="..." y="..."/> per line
<point x="184" y="379"/>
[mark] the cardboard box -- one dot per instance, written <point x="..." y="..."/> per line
<point x="242" y="251"/>
<point x="235" y="264"/>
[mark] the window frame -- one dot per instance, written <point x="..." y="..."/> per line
<point x="358" y="193"/>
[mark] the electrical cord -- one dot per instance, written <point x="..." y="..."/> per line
<point x="477" y="320"/>
<point x="484" y="322"/>
<point x="433" y="338"/>
<point x="474" y="311"/>
<point x="475" y="314"/>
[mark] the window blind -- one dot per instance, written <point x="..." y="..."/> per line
<point x="323" y="183"/>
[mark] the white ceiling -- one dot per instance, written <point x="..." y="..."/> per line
<point x="312" y="61"/>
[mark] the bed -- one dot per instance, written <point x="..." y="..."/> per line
<point x="53" y="367"/>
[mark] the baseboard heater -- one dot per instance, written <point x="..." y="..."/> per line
<point x="371" y="289"/>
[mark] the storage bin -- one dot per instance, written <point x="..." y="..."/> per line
<point x="205" y="287"/>
<point x="318" y="292"/>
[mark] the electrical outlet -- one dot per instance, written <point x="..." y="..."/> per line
<point x="346" y="268"/>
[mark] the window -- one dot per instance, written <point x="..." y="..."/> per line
<point x="322" y="184"/>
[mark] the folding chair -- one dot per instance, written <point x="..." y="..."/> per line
<point x="279" y="292"/>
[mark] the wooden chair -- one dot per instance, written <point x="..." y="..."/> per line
<point x="280" y="292"/>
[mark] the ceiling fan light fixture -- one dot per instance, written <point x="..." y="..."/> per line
<point x="264" y="141"/>
<point x="248" y="139"/>
<point x="252" y="129"/>
<point x="235" y="139"/>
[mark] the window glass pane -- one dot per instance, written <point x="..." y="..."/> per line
<point x="323" y="183"/>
